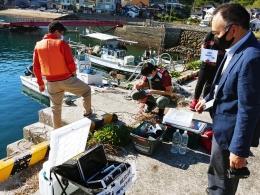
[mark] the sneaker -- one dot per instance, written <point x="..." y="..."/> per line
<point x="87" y="115"/>
<point x="193" y="104"/>
<point x="150" y="107"/>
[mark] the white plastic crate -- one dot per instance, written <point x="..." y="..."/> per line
<point x="178" y="117"/>
<point x="66" y="142"/>
<point x="91" y="78"/>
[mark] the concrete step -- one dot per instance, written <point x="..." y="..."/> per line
<point x="37" y="132"/>
<point x="18" y="147"/>
<point x="103" y="101"/>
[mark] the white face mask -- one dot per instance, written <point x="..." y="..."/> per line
<point x="149" y="78"/>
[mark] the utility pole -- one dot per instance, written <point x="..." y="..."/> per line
<point x="166" y="7"/>
<point x="170" y="14"/>
<point x="193" y="5"/>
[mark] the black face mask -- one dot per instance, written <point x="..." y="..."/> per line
<point x="222" y="42"/>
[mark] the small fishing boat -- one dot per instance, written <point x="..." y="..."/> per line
<point x="84" y="73"/>
<point x="111" y="53"/>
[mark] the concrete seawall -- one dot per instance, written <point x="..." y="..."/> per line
<point x="165" y="36"/>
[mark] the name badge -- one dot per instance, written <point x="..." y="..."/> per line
<point x="208" y="104"/>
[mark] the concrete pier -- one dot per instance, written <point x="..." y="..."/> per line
<point x="160" y="174"/>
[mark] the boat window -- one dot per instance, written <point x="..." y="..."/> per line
<point x="112" y="53"/>
<point x="81" y="57"/>
<point x="118" y="54"/>
<point x="109" y="52"/>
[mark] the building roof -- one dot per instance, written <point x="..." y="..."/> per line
<point x="102" y="37"/>
<point x="197" y="13"/>
<point x="144" y="2"/>
<point x="255" y="21"/>
<point x="173" y="1"/>
<point x="156" y="6"/>
<point x="208" y="6"/>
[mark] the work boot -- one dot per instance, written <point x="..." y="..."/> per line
<point x="193" y="104"/>
<point x="150" y="107"/>
<point x="160" y="114"/>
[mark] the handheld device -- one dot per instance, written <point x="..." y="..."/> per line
<point x="242" y="173"/>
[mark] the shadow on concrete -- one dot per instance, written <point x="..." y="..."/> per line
<point x="164" y="155"/>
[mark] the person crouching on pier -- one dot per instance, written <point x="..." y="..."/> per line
<point x="53" y="59"/>
<point x="155" y="88"/>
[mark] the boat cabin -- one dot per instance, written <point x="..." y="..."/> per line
<point x="112" y="51"/>
<point x="113" y="48"/>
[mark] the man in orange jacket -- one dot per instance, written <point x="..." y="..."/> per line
<point x="53" y="59"/>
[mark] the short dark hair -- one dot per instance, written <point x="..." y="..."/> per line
<point x="55" y="25"/>
<point x="147" y="68"/>
<point x="234" y="13"/>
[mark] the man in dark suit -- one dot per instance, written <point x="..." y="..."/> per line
<point x="236" y="95"/>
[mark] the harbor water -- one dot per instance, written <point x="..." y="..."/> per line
<point x="18" y="105"/>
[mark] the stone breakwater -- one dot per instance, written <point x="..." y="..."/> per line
<point x="181" y="38"/>
<point x="189" y="43"/>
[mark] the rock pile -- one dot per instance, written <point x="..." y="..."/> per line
<point x="189" y="43"/>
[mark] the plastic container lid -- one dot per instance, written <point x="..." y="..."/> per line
<point x="178" y="117"/>
<point x="67" y="142"/>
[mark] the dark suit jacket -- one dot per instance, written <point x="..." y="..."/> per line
<point x="236" y="109"/>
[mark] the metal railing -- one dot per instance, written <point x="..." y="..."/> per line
<point x="103" y="20"/>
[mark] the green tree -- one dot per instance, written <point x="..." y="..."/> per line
<point x="255" y="4"/>
<point x="244" y="2"/>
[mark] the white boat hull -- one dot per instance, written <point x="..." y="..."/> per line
<point x="114" y="65"/>
<point x="31" y="83"/>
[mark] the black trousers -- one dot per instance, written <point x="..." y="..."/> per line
<point x="205" y="77"/>
<point x="218" y="182"/>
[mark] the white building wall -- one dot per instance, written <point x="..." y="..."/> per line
<point x="68" y="3"/>
<point x="105" y="5"/>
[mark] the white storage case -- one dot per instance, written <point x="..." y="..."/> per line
<point x="66" y="142"/>
<point x="93" y="78"/>
<point x="178" y="117"/>
<point x="183" y="120"/>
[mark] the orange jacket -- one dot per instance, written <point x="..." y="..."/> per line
<point x="53" y="59"/>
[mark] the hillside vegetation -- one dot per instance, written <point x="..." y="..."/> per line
<point x="247" y="3"/>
